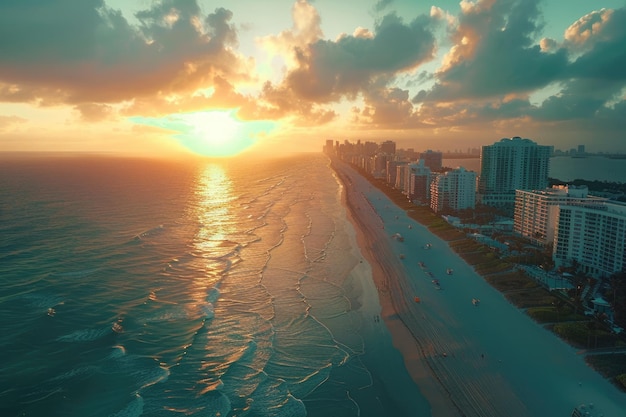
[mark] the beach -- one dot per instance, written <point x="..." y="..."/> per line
<point x="488" y="359"/>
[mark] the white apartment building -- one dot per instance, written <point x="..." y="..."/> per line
<point x="509" y="165"/>
<point x="536" y="211"/>
<point x="455" y="190"/>
<point x="402" y="176"/>
<point x="592" y="237"/>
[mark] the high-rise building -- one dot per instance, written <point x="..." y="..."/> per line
<point x="402" y="175"/>
<point x="594" y="238"/>
<point x="432" y="159"/>
<point x="392" y="172"/>
<point x="453" y="190"/>
<point x="328" y="147"/>
<point x="509" y="165"/>
<point x="388" y="147"/>
<point x="419" y="187"/>
<point x="379" y="168"/>
<point x="536" y="211"/>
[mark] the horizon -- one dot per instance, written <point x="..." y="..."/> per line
<point x="210" y="78"/>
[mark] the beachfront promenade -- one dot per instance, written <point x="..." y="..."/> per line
<point x="485" y="360"/>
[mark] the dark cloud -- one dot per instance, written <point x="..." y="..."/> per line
<point x="495" y="53"/>
<point x="80" y="51"/>
<point x="580" y="99"/>
<point x="328" y="71"/>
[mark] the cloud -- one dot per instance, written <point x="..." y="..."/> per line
<point x="325" y="71"/>
<point x="7" y="122"/>
<point x="80" y="51"/>
<point x="494" y="53"/>
<point x="580" y="99"/>
<point x="387" y="107"/>
<point x="221" y="96"/>
<point x="589" y="30"/>
<point x="306" y="30"/>
<point x="94" y="112"/>
<point x="382" y="5"/>
<point x="328" y="70"/>
<point x="601" y="37"/>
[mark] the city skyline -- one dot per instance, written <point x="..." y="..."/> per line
<point x="216" y="78"/>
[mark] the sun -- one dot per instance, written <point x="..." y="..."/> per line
<point x="214" y="133"/>
<point x="216" y="129"/>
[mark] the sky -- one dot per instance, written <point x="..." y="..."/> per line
<point x="217" y="77"/>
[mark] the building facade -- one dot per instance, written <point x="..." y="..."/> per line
<point x="419" y="188"/>
<point x="592" y="238"/>
<point x="454" y="190"/>
<point x="509" y="165"/>
<point x="536" y="211"/>
<point x="388" y="147"/>
<point x="432" y="159"/>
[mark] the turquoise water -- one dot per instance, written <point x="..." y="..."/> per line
<point x="135" y="287"/>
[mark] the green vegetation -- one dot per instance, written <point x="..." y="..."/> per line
<point x="555" y="313"/>
<point x="576" y="333"/>
<point x="612" y="366"/>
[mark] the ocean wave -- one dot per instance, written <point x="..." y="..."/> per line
<point x="80" y="371"/>
<point x="85" y="335"/>
<point x="43" y="301"/>
<point x="168" y="314"/>
<point x="150" y="233"/>
<point x="151" y="375"/>
<point x="132" y="409"/>
<point x="118" y="352"/>
<point x="273" y="399"/>
<point x="76" y="274"/>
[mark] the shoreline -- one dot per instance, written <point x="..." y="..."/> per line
<point x="489" y="370"/>
<point x="402" y="338"/>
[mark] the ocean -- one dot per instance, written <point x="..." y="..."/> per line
<point x="201" y="288"/>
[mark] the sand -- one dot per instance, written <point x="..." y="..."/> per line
<point x="467" y="360"/>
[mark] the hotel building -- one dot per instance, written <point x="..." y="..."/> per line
<point x="453" y="190"/>
<point x="592" y="237"/>
<point x="509" y="165"/>
<point x="536" y="211"/>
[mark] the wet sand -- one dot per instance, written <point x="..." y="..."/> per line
<point x="369" y="229"/>
<point x="467" y="360"/>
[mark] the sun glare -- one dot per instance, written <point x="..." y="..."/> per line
<point x="216" y="129"/>
<point x="211" y="133"/>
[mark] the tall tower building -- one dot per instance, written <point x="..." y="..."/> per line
<point x="432" y="159"/>
<point x="328" y="147"/>
<point x="388" y="147"/>
<point x="419" y="188"/>
<point x="509" y="165"/>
